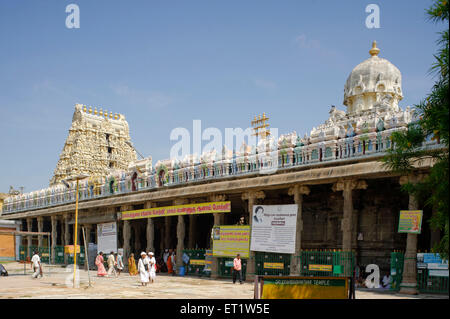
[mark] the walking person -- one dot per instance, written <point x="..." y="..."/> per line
<point x="119" y="263"/>
<point x="132" y="265"/>
<point x="111" y="264"/>
<point x="101" y="271"/>
<point x="169" y="263"/>
<point x="143" y="269"/>
<point x="152" y="267"/>
<point x="36" y="265"/>
<point x="173" y="261"/>
<point x="237" y="269"/>
<point x="165" y="256"/>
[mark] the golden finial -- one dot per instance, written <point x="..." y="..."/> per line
<point x="259" y="126"/>
<point x="84" y="108"/>
<point x="116" y="116"/>
<point x="110" y="115"/>
<point x="90" y="109"/>
<point x="374" y="51"/>
<point x="105" y="114"/>
<point x="101" y="112"/>
<point x="95" y="112"/>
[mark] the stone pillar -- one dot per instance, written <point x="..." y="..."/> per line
<point x="150" y="230"/>
<point x="54" y="237"/>
<point x="167" y="223"/>
<point x="161" y="235"/>
<point x="66" y="235"/>
<point x="61" y="222"/>
<point x="40" y="221"/>
<point x="251" y="197"/>
<point x="348" y="232"/>
<point x="218" y="217"/>
<point x="192" y="231"/>
<point x="409" y="280"/>
<point x="29" y="237"/>
<point x="126" y="232"/>
<point x="181" y="230"/>
<point x="298" y="191"/>
<point x="87" y="233"/>
<point x="218" y="220"/>
<point x="126" y="240"/>
<point x="137" y="237"/>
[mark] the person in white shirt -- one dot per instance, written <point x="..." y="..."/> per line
<point x="152" y="265"/>
<point x="111" y="263"/>
<point x="119" y="263"/>
<point x="143" y="268"/>
<point x="36" y="265"/>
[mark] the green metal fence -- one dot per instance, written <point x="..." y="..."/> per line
<point x="80" y="257"/>
<point x="426" y="282"/>
<point x="272" y="264"/>
<point x="226" y="267"/>
<point x="59" y="255"/>
<point x="197" y="262"/>
<point x="22" y="253"/>
<point x="326" y="263"/>
<point x="43" y="253"/>
<point x="397" y="259"/>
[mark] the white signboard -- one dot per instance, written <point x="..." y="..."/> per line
<point x="274" y="228"/>
<point x="107" y="238"/>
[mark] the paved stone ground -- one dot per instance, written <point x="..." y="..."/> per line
<point x="53" y="285"/>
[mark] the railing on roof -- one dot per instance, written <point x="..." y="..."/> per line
<point x="360" y="146"/>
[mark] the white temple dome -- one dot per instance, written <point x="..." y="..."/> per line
<point x="374" y="82"/>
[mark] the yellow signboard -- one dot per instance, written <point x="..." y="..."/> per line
<point x="273" y="265"/>
<point x="410" y="221"/>
<point x="69" y="249"/>
<point x="312" y="267"/>
<point x="228" y="241"/>
<point x="275" y="287"/>
<point x="188" y="209"/>
<point x="197" y="262"/>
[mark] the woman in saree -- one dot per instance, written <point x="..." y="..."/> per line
<point x="169" y="264"/>
<point x="132" y="266"/>
<point x="101" y="271"/>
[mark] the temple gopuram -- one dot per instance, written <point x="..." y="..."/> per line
<point x="347" y="199"/>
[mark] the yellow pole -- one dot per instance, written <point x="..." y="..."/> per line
<point x="76" y="235"/>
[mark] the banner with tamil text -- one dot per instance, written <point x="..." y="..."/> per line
<point x="410" y="221"/>
<point x="274" y="228"/>
<point x="187" y="209"/>
<point x="228" y="241"/>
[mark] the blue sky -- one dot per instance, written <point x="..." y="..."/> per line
<point x="165" y="63"/>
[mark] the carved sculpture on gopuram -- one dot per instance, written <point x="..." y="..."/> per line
<point x="98" y="145"/>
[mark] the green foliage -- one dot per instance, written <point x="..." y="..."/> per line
<point x="433" y="118"/>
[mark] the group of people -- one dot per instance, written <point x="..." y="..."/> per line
<point x="114" y="262"/>
<point x="146" y="268"/>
